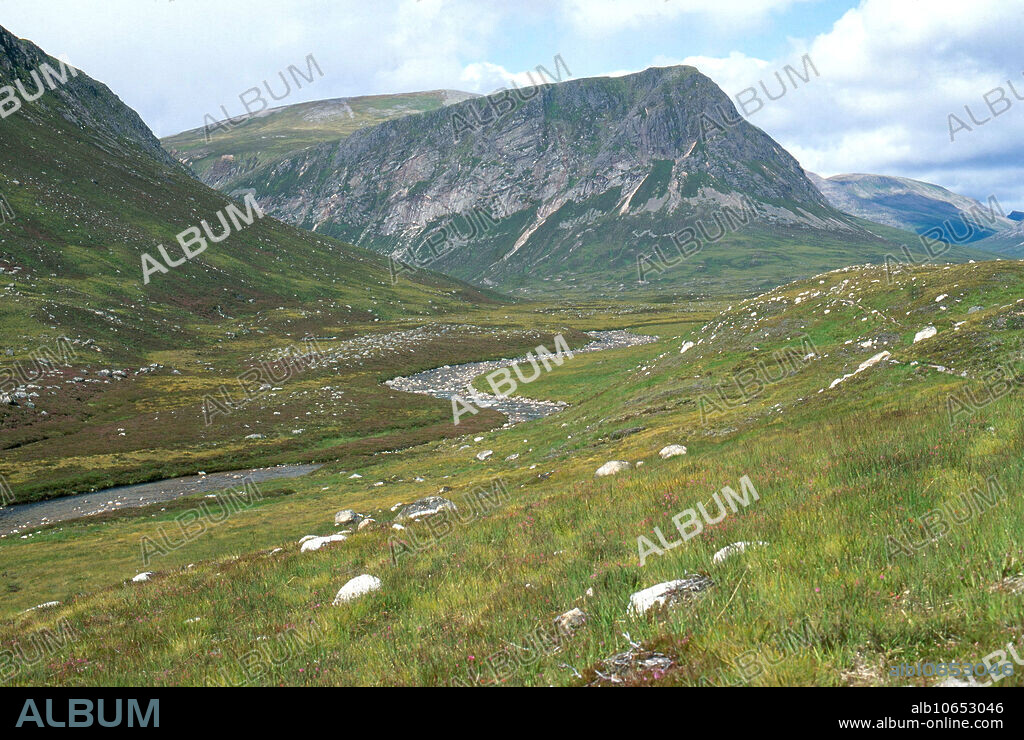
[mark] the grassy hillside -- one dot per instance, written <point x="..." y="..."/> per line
<point x="842" y="470"/>
<point x="220" y="153"/>
<point x="89" y="192"/>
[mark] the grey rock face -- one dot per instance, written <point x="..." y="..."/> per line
<point x="495" y="186"/>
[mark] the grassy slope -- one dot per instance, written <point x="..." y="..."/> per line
<point x="222" y="154"/>
<point x="837" y="472"/>
<point x="86" y="207"/>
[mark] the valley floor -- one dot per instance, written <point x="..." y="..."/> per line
<point x="886" y="460"/>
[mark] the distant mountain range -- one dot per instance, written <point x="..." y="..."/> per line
<point x="916" y="206"/>
<point x="1009" y="242"/>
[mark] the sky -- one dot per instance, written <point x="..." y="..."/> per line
<point x="886" y="75"/>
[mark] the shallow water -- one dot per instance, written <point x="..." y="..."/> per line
<point x="452" y="380"/>
<point x="441" y="382"/>
<point x="16" y="518"/>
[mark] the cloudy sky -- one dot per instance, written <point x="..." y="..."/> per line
<point x="889" y="72"/>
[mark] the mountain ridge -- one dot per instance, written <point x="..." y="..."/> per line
<point x="914" y="205"/>
<point x="564" y="176"/>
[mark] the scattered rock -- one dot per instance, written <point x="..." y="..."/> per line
<point x="347" y="516"/>
<point x="672" y="451"/>
<point x="611" y="468"/>
<point x="1010" y="584"/>
<point x="633" y="663"/>
<point x="365" y="523"/>
<point x="142" y="577"/>
<point x="734" y="549"/>
<point x="925" y="333"/>
<point x="870" y="362"/>
<point x="47" y="605"/>
<point x="952" y="682"/>
<point x="481" y="456"/>
<point x="312" y="544"/>
<point x="428" y="506"/>
<point x="358" y="586"/>
<point x="668" y="593"/>
<point x="571" y="621"/>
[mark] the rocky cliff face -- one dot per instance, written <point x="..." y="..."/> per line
<point x="80" y="100"/>
<point x="222" y="152"/>
<point x="565" y="181"/>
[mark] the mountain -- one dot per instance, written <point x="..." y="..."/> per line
<point x="571" y="185"/>
<point x="87" y="190"/>
<point x="105" y="379"/>
<point x="916" y="206"/>
<point x="222" y="151"/>
<point x="1009" y="242"/>
<point x="1015" y="215"/>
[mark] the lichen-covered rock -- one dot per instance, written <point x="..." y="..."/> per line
<point x="347" y="516"/>
<point x="570" y="621"/>
<point x="668" y="593"/>
<point x="429" y="506"/>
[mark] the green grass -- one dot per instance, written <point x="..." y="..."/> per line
<point x="222" y="154"/>
<point x="837" y="473"/>
<point x="88" y="202"/>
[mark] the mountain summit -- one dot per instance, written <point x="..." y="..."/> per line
<point x="572" y="182"/>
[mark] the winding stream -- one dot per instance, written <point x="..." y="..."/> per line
<point x="441" y="382"/>
<point x="19" y="517"/>
<point x="451" y="380"/>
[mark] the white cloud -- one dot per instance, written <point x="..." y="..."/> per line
<point x="891" y="72"/>
<point x="606" y="17"/>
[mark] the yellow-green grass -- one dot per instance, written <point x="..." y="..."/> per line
<point x="837" y="473"/>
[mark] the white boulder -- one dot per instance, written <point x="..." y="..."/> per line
<point x="611" y="468"/>
<point x="672" y="451"/>
<point x="358" y="586"/>
<point x="734" y="549"/>
<point x="665" y="594"/>
<point x="315" y="543"/>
